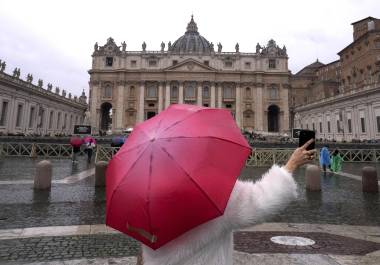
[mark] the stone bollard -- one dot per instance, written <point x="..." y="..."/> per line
<point x="313" y="178"/>
<point x="100" y="173"/>
<point x="42" y="180"/>
<point x="369" y="180"/>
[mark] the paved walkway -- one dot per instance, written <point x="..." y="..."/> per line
<point x="98" y="244"/>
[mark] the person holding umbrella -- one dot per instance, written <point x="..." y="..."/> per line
<point x="173" y="186"/>
<point x="76" y="142"/>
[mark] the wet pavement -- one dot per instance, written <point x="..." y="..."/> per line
<point x="24" y="168"/>
<point x="312" y="216"/>
<point x="340" y="202"/>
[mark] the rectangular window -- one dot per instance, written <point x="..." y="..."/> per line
<point x="174" y="92"/>
<point x="206" y="63"/>
<point x="228" y="92"/>
<point x="19" y="115"/>
<point x="349" y="126"/>
<point x="133" y="64"/>
<point x="328" y="127"/>
<point x="247" y="65"/>
<point x="307" y="126"/>
<point x="174" y="62"/>
<point x="362" y="123"/>
<point x="107" y="92"/>
<point x="378" y="123"/>
<point x="4" y="112"/>
<point x="109" y="61"/>
<point x="51" y="119"/>
<point x="31" y="116"/>
<point x="152" y="63"/>
<point x="206" y="92"/>
<point x="190" y="92"/>
<point x="272" y="63"/>
<point x="273" y="93"/>
<point x="152" y="92"/>
<point x="313" y="126"/>
<point x="228" y="64"/>
<point x="337" y="127"/>
<point x="320" y="127"/>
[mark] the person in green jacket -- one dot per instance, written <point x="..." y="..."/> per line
<point x="336" y="161"/>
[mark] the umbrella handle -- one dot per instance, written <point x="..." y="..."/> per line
<point x="142" y="232"/>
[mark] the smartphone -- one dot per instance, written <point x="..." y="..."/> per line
<point x="306" y="135"/>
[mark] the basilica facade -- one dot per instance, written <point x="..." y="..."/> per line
<point x="128" y="87"/>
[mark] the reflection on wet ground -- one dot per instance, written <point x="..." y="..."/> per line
<point x="341" y="200"/>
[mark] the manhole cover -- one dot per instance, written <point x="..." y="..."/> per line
<point x="292" y="240"/>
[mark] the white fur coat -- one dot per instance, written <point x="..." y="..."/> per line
<point x="211" y="243"/>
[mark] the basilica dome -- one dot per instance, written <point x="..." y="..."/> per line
<point x="192" y="41"/>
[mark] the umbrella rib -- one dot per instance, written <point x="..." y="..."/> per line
<point x="177" y="122"/>
<point x="192" y="180"/>
<point x="213" y="137"/>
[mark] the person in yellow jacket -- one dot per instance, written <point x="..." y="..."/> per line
<point x="336" y="161"/>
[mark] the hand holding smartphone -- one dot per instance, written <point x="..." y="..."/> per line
<point x="306" y="135"/>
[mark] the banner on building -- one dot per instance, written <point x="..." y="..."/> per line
<point x="82" y="129"/>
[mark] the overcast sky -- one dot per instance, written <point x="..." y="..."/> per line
<point x="54" y="40"/>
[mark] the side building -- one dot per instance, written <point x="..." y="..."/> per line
<point x="342" y="102"/>
<point x="28" y="109"/>
<point x="128" y="87"/>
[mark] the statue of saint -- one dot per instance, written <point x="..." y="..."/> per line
<point x="3" y="67"/>
<point x="220" y="47"/>
<point x="96" y="46"/>
<point x="50" y="86"/>
<point x="212" y="46"/>
<point x="169" y="45"/>
<point x="143" y="46"/>
<point x="124" y="45"/>
<point x="162" y="46"/>
<point x="40" y="82"/>
<point x="237" y="47"/>
<point x="258" y="47"/>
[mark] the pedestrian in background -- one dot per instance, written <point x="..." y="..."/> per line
<point x="324" y="158"/>
<point x="76" y="142"/>
<point x="90" y="145"/>
<point x="336" y="161"/>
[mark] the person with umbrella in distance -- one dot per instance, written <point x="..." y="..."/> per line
<point x="324" y="158"/>
<point x="173" y="186"/>
<point x="76" y="142"/>
<point x="90" y="144"/>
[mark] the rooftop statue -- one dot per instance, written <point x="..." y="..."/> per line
<point x="220" y="47"/>
<point x="40" y="82"/>
<point x="143" y="46"/>
<point x="2" y="68"/>
<point x="162" y="46"/>
<point x="258" y="48"/>
<point x="124" y="45"/>
<point x="237" y="47"/>
<point x="96" y="46"/>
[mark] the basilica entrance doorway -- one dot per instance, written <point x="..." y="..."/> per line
<point x="105" y="116"/>
<point x="273" y="118"/>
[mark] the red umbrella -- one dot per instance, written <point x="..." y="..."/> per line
<point x="175" y="172"/>
<point x="88" y="139"/>
<point x="76" y="141"/>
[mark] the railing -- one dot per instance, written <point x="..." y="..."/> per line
<point x="36" y="150"/>
<point x="258" y="157"/>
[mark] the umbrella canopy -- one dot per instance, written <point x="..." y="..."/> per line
<point x="175" y="172"/>
<point x="118" y="140"/>
<point x="76" y="141"/>
<point x="88" y="139"/>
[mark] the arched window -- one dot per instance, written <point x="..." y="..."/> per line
<point x="174" y="92"/>
<point x="206" y="92"/>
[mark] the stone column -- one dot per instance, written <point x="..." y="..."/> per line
<point x="259" y="108"/>
<point x="212" y="98"/>
<point x="238" y="105"/>
<point x="93" y="101"/>
<point x="141" y="108"/>
<point x="313" y="178"/>
<point x="160" y="96"/>
<point x="11" y="124"/>
<point x="120" y="108"/>
<point x="180" y="94"/>
<point x="369" y="180"/>
<point x="167" y="94"/>
<point x="220" y="95"/>
<point x="100" y="173"/>
<point x="199" y="95"/>
<point x="285" y="104"/>
<point x="42" y="179"/>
